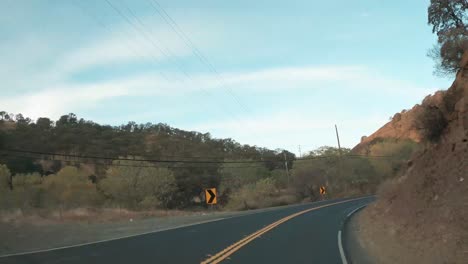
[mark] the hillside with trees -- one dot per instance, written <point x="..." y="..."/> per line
<point x="44" y="147"/>
<point x="73" y="163"/>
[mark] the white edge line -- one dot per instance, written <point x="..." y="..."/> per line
<point x="112" y="239"/>
<point x="340" y="244"/>
<point x="352" y="212"/>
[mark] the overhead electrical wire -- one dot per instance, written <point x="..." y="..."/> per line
<point x="126" y="42"/>
<point x="154" y="58"/>
<point x="189" y="43"/>
<point x="136" y="159"/>
<point x="189" y="161"/>
<point x="208" y="166"/>
<point x="167" y="53"/>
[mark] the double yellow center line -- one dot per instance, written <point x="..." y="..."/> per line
<point x="225" y="253"/>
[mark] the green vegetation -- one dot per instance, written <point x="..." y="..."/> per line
<point x="134" y="187"/>
<point x="42" y="181"/>
<point x="432" y="123"/>
<point x="73" y="136"/>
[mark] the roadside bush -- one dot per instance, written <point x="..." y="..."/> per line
<point x="281" y="179"/>
<point x="69" y="188"/>
<point x="307" y="177"/>
<point x="360" y="175"/>
<point x="139" y="188"/>
<point x="432" y="122"/>
<point x="5" y="175"/>
<point x="254" y="195"/>
<point x="233" y="179"/>
<point x="25" y="180"/>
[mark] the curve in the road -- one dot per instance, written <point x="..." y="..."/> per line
<point x="225" y="253"/>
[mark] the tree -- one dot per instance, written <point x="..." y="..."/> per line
<point x="232" y="178"/>
<point x="70" y="188"/>
<point x="307" y="179"/>
<point x="44" y="123"/>
<point x="5" y="178"/>
<point x="449" y="20"/>
<point x="329" y="151"/>
<point x="139" y="187"/>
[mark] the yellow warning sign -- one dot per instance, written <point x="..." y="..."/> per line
<point x="322" y="190"/>
<point x="210" y="196"/>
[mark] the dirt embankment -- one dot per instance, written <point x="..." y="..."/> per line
<point x="422" y="216"/>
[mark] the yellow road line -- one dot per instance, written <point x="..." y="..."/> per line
<point x="222" y="255"/>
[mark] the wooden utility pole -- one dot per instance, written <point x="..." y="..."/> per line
<point x="338" y="139"/>
<point x="340" y="165"/>
<point x="286" y="165"/>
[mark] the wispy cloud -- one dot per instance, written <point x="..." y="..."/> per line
<point x="151" y="84"/>
<point x="126" y="45"/>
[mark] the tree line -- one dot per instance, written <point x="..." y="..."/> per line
<point x="72" y="135"/>
<point x="126" y="180"/>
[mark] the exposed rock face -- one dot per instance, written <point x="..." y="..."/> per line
<point x="404" y="125"/>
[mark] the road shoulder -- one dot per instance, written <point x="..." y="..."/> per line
<point x="355" y="252"/>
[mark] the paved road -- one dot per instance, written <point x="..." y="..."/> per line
<point x="297" y="234"/>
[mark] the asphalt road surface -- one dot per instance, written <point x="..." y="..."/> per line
<point x="306" y="233"/>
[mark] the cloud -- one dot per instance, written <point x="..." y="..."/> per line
<point x="126" y="45"/>
<point x="57" y="101"/>
<point x="62" y="96"/>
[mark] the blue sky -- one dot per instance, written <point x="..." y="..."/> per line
<point x="284" y="71"/>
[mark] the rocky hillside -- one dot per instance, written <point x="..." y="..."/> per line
<point x="407" y="126"/>
<point x="422" y="216"/>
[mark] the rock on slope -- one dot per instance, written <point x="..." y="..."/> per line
<point x="405" y="125"/>
<point x="422" y="216"/>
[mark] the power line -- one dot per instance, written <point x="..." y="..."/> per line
<point x="142" y="31"/>
<point x="189" y="43"/>
<point x="207" y="166"/>
<point x="102" y="24"/>
<point x="167" y="53"/>
<point x="185" y="161"/>
<point x="134" y="160"/>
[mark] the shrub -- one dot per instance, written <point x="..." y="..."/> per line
<point x="4" y="177"/>
<point x="145" y="187"/>
<point x="254" y="195"/>
<point x="232" y="179"/>
<point x="69" y="188"/>
<point x="450" y="98"/>
<point x="432" y="122"/>
<point x="309" y="176"/>
<point x="24" y="180"/>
